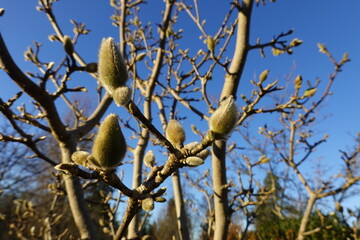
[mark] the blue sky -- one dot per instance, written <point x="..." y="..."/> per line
<point x="334" y="23"/>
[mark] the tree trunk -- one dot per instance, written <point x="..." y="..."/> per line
<point x="75" y="194"/>
<point x="221" y="206"/>
<point x="182" y="221"/>
<point x="139" y="152"/>
<point x="306" y="216"/>
<point x="231" y="84"/>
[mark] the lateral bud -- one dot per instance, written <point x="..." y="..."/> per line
<point x="223" y="120"/>
<point x="175" y="133"/>
<point x="149" y="159"/>
<point x="194" y="161"/>
<point x="80" y="157"/>
<point x="148" y="204"/>
<point x="122" y="95"/>
<point x="68" y="45"/>
<point x="160" y="199"/>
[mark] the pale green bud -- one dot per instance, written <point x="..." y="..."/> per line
<point x="203" y="154"/>
<point x="68" y="45"/>
<point x="53" y="38"/>
<point x="298" y="81"/>
<point x="194" y="161"/>
<point x="224" y="118"/>
<point x="122" y="95"/>
<point x="160" y="199"/>
<point x="109" y="145"/>
<point x="263" y="75"/>
<point x="149" y="159"/>
<point x="112" y="68"/>
<point x="106" y="230"/>
<point x="80" y="157"/>
<point x="309" y="92"/>
<point x="263" y="159"/>
<point x="175" y="133"/>
<point x="148" y="204"/>
<point x="210" y="43"/>
<point x="102" y="222"/>
<point x="91" y="67"/>
<point x="295" y="42"/>
<point x="277" y="52"/>
<point x="322" y="48"/>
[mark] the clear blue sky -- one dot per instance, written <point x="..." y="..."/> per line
<point x="334" y="23"/>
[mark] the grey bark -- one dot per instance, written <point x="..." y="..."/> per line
<point x="182" y="220"/>
<point x="140" y="149"/>
<point x="306" y="216"/>
<point x="221" y="205"/>
<point x="137" y="177"/>
<point x="76" y="200"/>
<point x="232" y="80"/>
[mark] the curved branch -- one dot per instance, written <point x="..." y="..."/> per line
<point x="33" y="90"/>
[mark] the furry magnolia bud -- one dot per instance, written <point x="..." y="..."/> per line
<point x="68" y="45"/>
<point x="122" y="95"/>
<point x="224" y="118"/>
<point x="148" y="204"/>
<point x="175" y="133"/>
<point x="149" y="159"/>
<point x="194" y="161"/>
<point x="160" y="199"/>
<point x="263" y="76"/>
<point x="80" y="157"/>
<point x="109" y="145"/>
<point x="203" y="154"/>
<point x="111" y="69"/>
<point x="210" y="43"/>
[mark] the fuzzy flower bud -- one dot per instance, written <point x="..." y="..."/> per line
<point x="149" y="159"/>
<point x="175" y="133"/>
<point x="160" y="199"/>
<point x="194" y="161"/>
<point x="210" y="43"/>
<point x="112" y="69"/>
<point x="109" y="145"/>
<point x="224" y="118"/>
<point x="263" y="159"/>
<point x="203" y="154"/>
<point x="148" y="204"/>
<point x="80" y="157"/>
<point x="122" y="95"/>
<point x="263" y="76"/>
<point x="68" y="45"/>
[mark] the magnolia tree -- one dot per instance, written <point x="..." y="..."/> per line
<point x="148" y="68"/>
